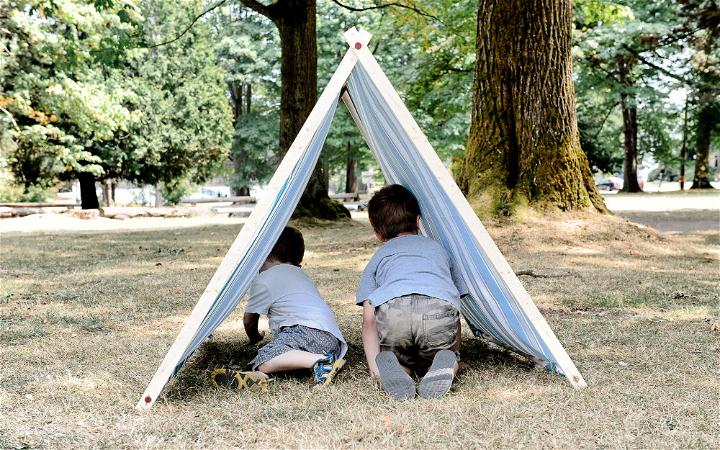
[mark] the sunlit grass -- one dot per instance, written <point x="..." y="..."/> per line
<point x="86" y="317"/>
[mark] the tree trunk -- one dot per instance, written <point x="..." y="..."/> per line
<point x="524" y="143"/>
<point x="236" y="100"/>
<point x="628" y="103"/>
<point x="683" y="151"/>
<point x="106" y="192"/>
<point x="88" y="195"/>
<point x="158" y="196"/>
<point x="707" y="121"/>
<point x="240" y="98"/>
<point x="248" y="97"/>
<point x="295" y="20"/>
<point x="350" y="174"/>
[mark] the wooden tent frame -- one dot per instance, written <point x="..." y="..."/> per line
<point x="358" y="52"/>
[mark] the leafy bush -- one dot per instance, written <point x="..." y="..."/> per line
<point x="175" y="190"/>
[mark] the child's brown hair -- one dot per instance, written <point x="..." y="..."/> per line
<point x="393" y="210"/>
<point x="289" y="248"/>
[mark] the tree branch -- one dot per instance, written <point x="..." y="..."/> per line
<point x="387" y="5"/>
<point x="657" y="67"/>
<point x="596" y="64"/>
<point x="258" y="7"/>
<point x="17" y="128"/>
<point x="176" y="38"/>
<point x="602" y="124"/>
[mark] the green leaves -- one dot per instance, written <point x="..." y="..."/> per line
<point x="79" y="96"/>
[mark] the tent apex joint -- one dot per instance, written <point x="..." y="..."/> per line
<point x="357" y="38"/>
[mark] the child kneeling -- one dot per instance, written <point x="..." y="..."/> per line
<point x="410" y="302"/>
<point x="305" y="333"/>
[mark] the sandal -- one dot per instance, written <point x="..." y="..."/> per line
<point x="231" y="379"/>
<point x="324" y="370"/>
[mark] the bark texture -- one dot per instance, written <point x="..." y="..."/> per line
<point x="240" y="100"/>
<point x="708" y="119"/>
<point x="351" y="174"/>
<point x="524" y="143"/>
<point x="628" y="103"/>
<point x="296" y="23"/>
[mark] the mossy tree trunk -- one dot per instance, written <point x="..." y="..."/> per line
<point x="524" y="143"/>
<point x="295" y="20"/>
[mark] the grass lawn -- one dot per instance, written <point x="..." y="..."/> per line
<point x="86" y="317"/>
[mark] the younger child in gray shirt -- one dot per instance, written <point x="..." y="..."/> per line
<point x="305" y="334"/>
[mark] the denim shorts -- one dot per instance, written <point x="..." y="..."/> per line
<point x="415" y="327"/>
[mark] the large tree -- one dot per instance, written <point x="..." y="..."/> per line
<point x="524" y="143"/>
<point x="296" y="24"/>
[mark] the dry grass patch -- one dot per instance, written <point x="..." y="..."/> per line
<point x="87" y="316"/>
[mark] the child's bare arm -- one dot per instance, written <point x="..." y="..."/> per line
<point x="250" y="321"/>
<point x="371" y="342"/>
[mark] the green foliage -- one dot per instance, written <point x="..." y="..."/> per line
<point x="248" y="52"/>
<point x="55" y="102"/>
<point x="653" y="39"/>
<point x="10" y="191"/>
<point x="431" y="61"/>
<point x="255" y="149"/>
<point x="79" y="95"/>
<point x="174" y="190"/>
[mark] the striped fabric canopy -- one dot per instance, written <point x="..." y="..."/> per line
<point x="491" y="307"/>
<point x="498" y="306"/>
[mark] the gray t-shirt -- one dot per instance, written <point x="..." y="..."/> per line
<point x="289" y="297"/>
<point x="409" y="264"/>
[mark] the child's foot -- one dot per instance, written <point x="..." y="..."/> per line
<point x="439" y="378"/>
<point x="393" y="378"/>
<point x="232" y="379"/>
<point x="324" y="370"/>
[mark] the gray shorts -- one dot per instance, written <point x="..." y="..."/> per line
<point x="415" y="327"/>
<point x="297" y="337"/>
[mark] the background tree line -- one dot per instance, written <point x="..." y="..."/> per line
<point x="172" y="93"/>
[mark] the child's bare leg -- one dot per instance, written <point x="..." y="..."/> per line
<point x="292" y="360"/>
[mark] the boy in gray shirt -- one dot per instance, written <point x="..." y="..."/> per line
<point x="410" y="302"/>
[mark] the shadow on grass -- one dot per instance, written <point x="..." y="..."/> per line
<point x="193" y="379"/>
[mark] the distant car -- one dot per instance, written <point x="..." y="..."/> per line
<point x="616" y="183"/>
<point x="610" y="184"/>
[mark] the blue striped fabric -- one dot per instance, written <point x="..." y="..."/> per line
<point x="492" y="308"/>
<point x="269" y="231"/>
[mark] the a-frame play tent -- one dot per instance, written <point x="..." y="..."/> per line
<point x="499" y="307"/>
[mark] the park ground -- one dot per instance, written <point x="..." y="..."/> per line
<point x="89" y="308"/>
